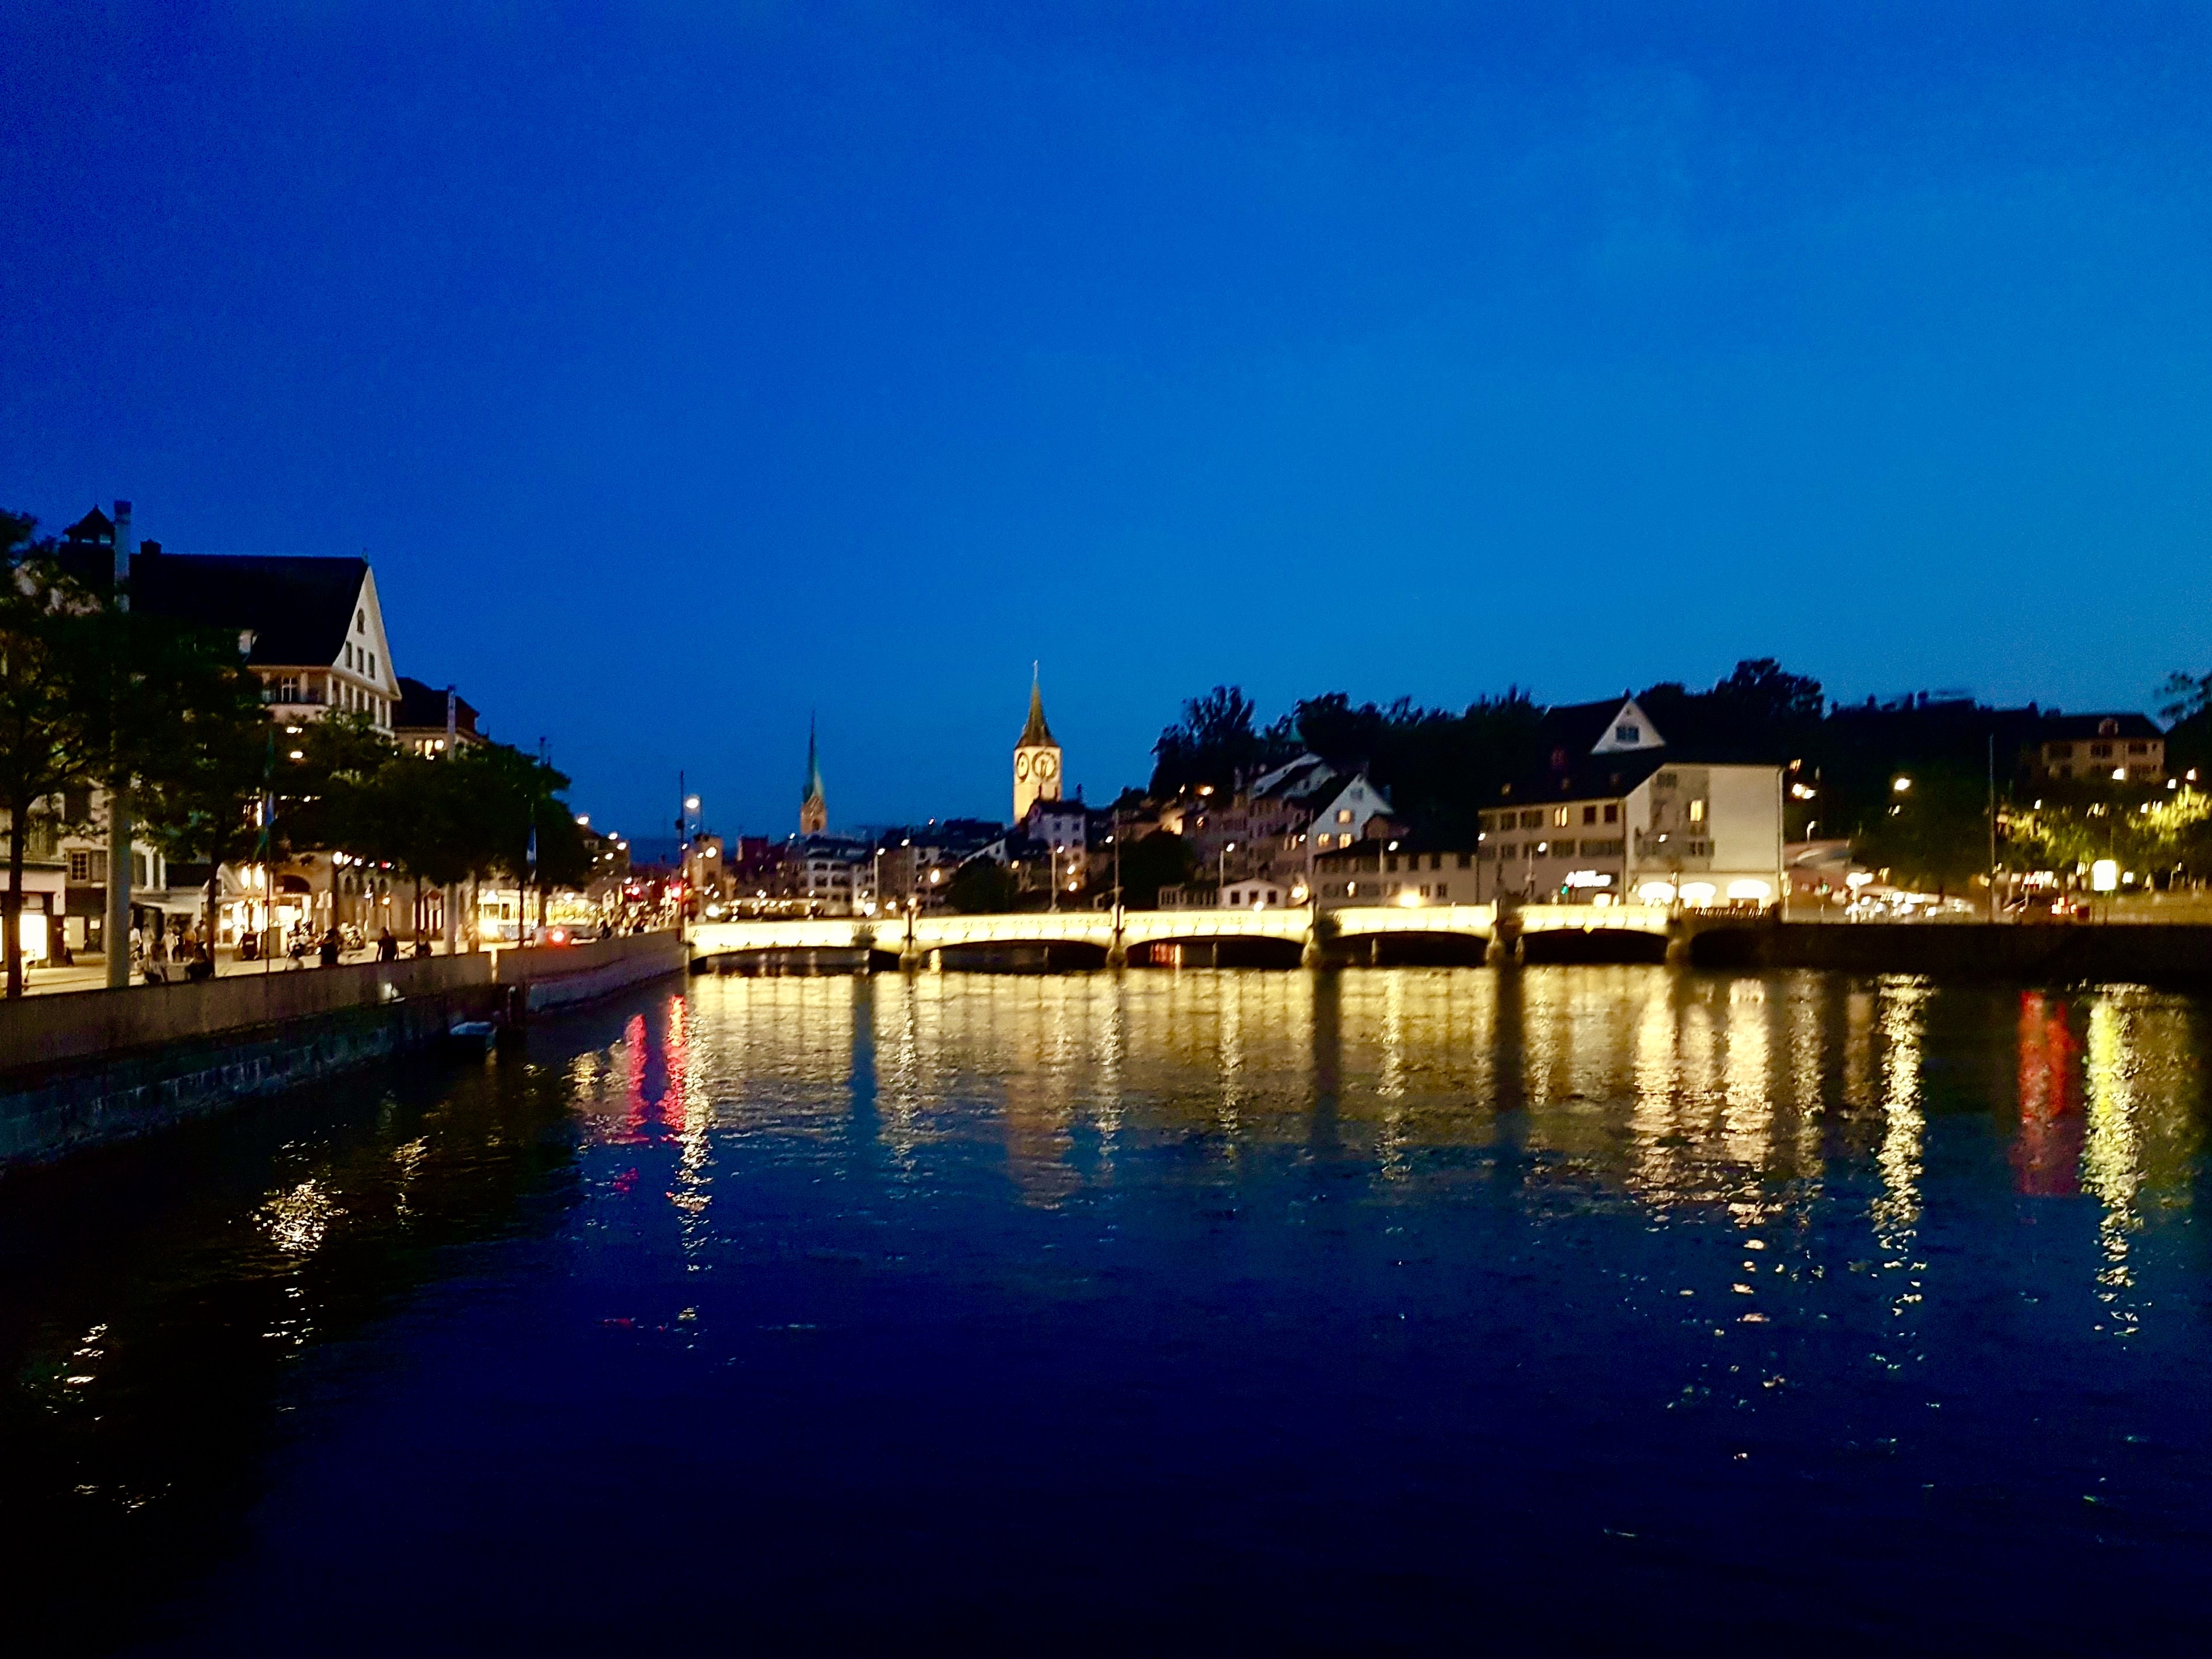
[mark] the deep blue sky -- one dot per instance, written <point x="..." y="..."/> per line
<point x="684" y="368"/>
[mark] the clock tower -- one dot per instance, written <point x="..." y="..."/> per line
<point x="1036" y="759"/>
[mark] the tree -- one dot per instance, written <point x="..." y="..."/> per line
<point x="1439" y="769"/>
<point x="207" y="749"/>
<point x="56" y="703"/>
<point x="1159" y="860"/>
<point x="1758" y="709"/>
<point x="2150" y="831"/>
<point x="1932" y="834"/>
<point x="982" y="887"/>
<point x="508" y="816"/>
<point x="1215" y="745"/>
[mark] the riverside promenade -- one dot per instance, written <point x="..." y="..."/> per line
<point x="99" y="1066"/>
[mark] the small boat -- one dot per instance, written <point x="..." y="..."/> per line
<point x="472" y="1036"/>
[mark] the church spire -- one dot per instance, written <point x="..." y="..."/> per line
<point x="1037" y="734"/>
<point x="814" y="807"/>
<point x="1037" y="758"/>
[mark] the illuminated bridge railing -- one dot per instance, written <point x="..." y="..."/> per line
<point x="893" y="935"/>
<point x="1594" y="918"/>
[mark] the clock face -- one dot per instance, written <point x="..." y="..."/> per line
<point x="1021" y="766"/>
<point x="1045" y="766"/>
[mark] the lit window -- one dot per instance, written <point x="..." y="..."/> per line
<point x="1344" y="815"/>
<point x="1697" y="812"/>
<point x="1559" y="817"/>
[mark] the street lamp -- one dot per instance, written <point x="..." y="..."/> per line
<point x="1221" y="876"/>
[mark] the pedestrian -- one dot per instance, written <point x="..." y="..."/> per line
<point x="387" y="948"/>
<point x="330" y="953"/>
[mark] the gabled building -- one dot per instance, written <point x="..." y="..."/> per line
<point x="1276" y="825"/>
<point x="1570" y="732"/>
<point x="433" y="721"/>
<point x="318" y="641"/>
<point x="312" y="630"/>
<point x="1613" y="816"/>
<point x="2098" y="749"/>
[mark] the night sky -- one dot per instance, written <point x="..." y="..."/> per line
<point x="684" y="369"/>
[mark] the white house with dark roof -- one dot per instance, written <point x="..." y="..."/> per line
<point x="313" y="633"/>
<point x="1276" y="824"/>
<point x="1615" y="816"/>
<point x="319" y="643"/>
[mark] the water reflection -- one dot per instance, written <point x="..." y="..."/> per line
<point x="1620" y="1190"/>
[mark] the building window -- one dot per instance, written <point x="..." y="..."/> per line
<point x="1697" y="812"/>
<point x="1589" y="815"/>
<point x="80" y="867"/>
<point x="1344" y="815"/>
<point x="1612" y="812"/>
<point x="1465" y="860"/>
<point x="2061" y="751"/>
<point x="1442" y="891"/>
<point x="1560" y="816"/>
<point x="1627" y="734"/>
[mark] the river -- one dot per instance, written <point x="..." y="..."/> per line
<point x="1390" y="1308"/>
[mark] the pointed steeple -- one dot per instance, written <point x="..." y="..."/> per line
<point x="1037" y="734"/>
<point x="814" y="805"/>
<point x="1037" y="758"/>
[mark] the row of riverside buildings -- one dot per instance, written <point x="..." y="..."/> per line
<point x="1610" y="813"/>
<point x="313" y="633"/>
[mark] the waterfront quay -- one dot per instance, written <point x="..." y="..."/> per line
<point x="1596" y="1306"/>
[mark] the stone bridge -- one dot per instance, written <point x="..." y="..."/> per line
<point x="1115" y="935"/>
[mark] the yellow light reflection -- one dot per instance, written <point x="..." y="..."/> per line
<point x="2111" y="1153"/>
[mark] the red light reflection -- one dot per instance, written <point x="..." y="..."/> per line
<point x="2048" y="1153"/>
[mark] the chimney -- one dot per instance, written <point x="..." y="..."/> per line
<point x="125" y="544"/>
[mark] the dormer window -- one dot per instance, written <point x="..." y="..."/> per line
<point x="1627" y="734"/>
<point x="361" y="621"/>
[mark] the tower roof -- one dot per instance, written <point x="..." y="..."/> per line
<point x="1037" y="734"/>
<point x="814" y="790"/>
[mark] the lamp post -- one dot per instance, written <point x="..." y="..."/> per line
<point x="1221" y="873"/>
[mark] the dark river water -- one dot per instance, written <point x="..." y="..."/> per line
<point x="1589" y="1307"/>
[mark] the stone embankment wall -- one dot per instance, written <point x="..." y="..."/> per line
<point x="559" y="976"/>
<point x="2145" y="952"/>
<point x="77" y="1069"/>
